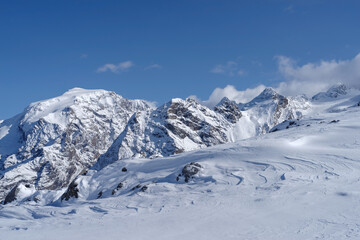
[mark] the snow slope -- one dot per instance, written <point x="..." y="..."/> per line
<point x="299" y="182"/>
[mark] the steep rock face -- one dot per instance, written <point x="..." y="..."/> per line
<point x="54" y="140"/>
<point x="229" y="109"/>
<point x="177" y="126"/>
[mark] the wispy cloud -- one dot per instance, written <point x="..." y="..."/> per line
<point x="289" y="9"/>
<point x="311" y="78"/>
<point x="230" y="68"/>
<point x="84" y="55"/>
<point x="153" y="66"/>
<point x="116" y="68"/>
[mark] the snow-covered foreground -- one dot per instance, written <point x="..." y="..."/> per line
<point x="297" y="183"/>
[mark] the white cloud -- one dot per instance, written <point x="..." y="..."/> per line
<point x="309" y="79"/>
<point x="231" y="93"/>
<point x="312" y="78"/>
<point x="84" y="55"/>
<point x="241" y="72"/>
<point x="121" y="67"/>
<point x="153" y="66"/>
<point x="230" y="69"/>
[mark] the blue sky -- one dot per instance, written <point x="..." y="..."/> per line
<point x="157" y="50"/>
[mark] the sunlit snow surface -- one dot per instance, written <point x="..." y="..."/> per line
<point x="297" y="183"/>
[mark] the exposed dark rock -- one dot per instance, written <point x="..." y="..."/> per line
<point x="144" y="188"/>
<point x="124" y="169"/>
<point x="72" y="191"/>
<point x="137" y="186"/>
<point x="286" y="124"/>
<point x="84" y="172"/>
<point x="190" y="170"/>
<point x="11" y="196"/>
<point x="229" y="109"/>
<point x="100" y="194"/>
<point x="36" y="199"/>
<point x="186" y="116"/>
<point x="334" y="121"/>
<point x="281" y="104"/>
<point x="118" y="187"/>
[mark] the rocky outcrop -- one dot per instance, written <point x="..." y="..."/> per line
<point x="189" y="171"/>
<point x="12" y="195"/>
<point x="118" y="187"/>
<point x="229" y="109"/>
<point x="71" y="192"/>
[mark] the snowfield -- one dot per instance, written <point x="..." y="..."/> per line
<point x="301" y="181"/>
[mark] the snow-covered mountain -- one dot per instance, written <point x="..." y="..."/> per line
<point x="300" y="181"/>
<point x="175" y="127"/>
<point x="53" y="141"/>
<point x="266" y="111"/>
<point x="336" y="91"/>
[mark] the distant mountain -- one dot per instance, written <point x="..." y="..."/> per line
<point x="335" y="91"/>
<point x="270" y="108"/>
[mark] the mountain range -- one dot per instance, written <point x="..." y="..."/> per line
<point x="91" y="164"/>
<point x="52" y="142"/>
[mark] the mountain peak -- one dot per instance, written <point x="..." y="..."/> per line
<point x="223" y="101"/>
<point x="339" y="88"/>
<point x="267" y="94"/>
<point x="268" y="91"/>
<point x="334" y="91"/>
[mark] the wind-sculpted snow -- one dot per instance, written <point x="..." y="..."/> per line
<point x="299" y="182"/>
<point x="54" y="140"/>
